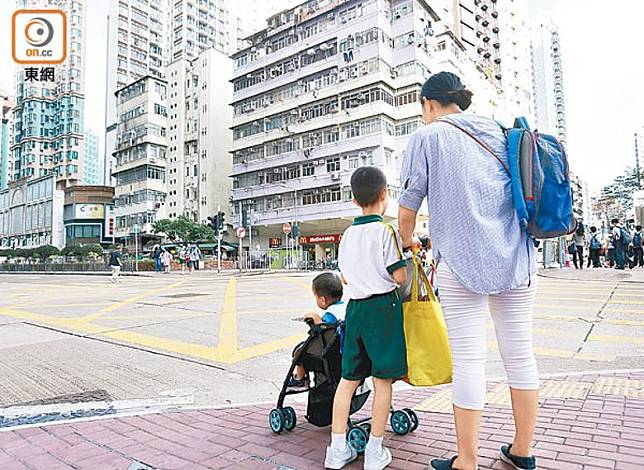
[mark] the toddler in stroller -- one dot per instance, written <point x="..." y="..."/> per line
<point x="316" y="369"/>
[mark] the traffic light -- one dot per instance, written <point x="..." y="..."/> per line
<point x="213" y="222"/>
<point x="221" y="220"/>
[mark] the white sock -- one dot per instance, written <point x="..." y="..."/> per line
<point x="338" y="441"/>
<point x="374" y="444"/>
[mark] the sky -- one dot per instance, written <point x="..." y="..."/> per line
<point x="603" y="73"/>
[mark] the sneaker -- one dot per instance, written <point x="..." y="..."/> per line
<point x="336" y="459"/>
<point x="293" y="383"/>
<point x="377" y="460"/>
<point x="442" y="464"/>
<point x="518" y="463"/>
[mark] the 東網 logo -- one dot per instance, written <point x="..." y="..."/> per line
<point x="39" y="36"/>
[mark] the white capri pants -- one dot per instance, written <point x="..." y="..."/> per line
<point x="465" y="313"/>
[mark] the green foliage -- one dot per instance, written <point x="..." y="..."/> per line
<point x="45" y="251"/>
<point x="616" y="199"/>
<point x="182" y="229"/>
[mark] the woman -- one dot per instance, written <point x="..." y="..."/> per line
<point x="578" y="241"/>
<point x="458" y="162"/>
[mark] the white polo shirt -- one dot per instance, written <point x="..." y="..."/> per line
<point x="370" y="250"/>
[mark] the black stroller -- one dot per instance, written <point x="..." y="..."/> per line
<point x="320" y="356"/>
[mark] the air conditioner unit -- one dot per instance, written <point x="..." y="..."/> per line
<point x="362" y="154"/>
<point x="335" y="176"/>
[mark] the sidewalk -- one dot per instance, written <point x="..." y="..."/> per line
<point x="587" y="422"/>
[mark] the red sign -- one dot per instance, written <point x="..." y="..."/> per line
<point x="275" y="242"/>
<point x="320" y="239"/>
<point x="286" y="228"/>
<point x="241" y="232"/>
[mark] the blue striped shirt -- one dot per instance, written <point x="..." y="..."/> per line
<point x="472" y="222"/>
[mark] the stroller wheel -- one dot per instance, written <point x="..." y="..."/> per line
<point x="290" y="418"/>
<point x="414" y="419"/>
<point x="276" y="420"/>
<point x="366" y="427"/>
<point x="400" y="422"/>
<point x="357" y="438"/>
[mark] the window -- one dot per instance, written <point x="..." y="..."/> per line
<point x="308" y="169"/>
<point x="333" y="164"/>
<point x="321" y="196"/>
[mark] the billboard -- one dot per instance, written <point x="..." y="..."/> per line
<point x="89" y="211"/>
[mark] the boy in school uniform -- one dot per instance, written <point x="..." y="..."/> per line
<point x="372" y="266"/>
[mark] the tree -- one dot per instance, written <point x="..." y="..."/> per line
<point x="182" y="229"/>
<point x="45" y="251"/>
<point x="616" y="199"/>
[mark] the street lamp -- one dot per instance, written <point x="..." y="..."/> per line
<point x="295" y="231"/>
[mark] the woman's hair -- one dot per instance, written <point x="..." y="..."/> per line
<point x="446" y="88"/>
<point x="593" y="229"/>
<point x="581" y="229"/>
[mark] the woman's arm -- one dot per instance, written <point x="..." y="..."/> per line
<point x="407" y="226"/>
<point x="413" y="179"/>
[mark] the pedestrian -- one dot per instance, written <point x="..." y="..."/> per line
<point x="199" y="257"/>
<point x="166" y="260"/>
<point x="595" y="247"/>
<point x="156" y="254"/>
<point x="194" y="257"/>
<point x="578" y="241"/>
<point x="372" y="266"/>
<point x="610" y="252"/>
<point x="116" y="264"/>
<point x="448" y="164"/>
<point x="620" y="242"/>
<point x="638" y="246"/>
<point x="183" y="258"/>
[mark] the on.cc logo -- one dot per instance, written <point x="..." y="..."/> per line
<point x="39" y="32"/>
<point x="39" y="36"/>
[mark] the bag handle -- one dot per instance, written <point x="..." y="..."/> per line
<point x="478" y="141"/>
<point x="420" y="275"/>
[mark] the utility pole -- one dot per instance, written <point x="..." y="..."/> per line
<point x="250" y="238"/>
<point x="637" y="162"/>
<point x="218" y="241"/>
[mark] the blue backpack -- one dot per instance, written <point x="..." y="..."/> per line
<point x="624" y="237"/>
<point x="540" y="182"/>
<point x="538" y="168"/>
<point x="595" y="244"/>
<point x="637" y="240"/>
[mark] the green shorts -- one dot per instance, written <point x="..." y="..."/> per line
<point x="374" y="339"/>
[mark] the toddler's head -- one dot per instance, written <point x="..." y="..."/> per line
<point x="327" y="290"/>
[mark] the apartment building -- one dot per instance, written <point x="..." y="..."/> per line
<point x="516" y="65"/>
<point x="141" y="145"/>
<point x="92" y="167"/>
<point x="138" y="45"/>
<point x="6" y="128"/>
<point x="327" y="87"/>
<point x="199" y="136"/>
<point x="550" y="104"/>
<point x="48" y="115"/>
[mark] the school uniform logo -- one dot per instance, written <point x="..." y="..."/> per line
<point x="39" y="36"/>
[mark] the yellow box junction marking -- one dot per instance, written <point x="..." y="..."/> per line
<point x="227" y="351"/>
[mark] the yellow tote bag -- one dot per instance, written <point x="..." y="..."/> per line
<point x="429" y="359"/>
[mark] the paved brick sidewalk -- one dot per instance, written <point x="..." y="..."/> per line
<point x="587" y="422"/>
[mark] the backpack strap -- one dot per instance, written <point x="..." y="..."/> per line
<point x="478" y="141"/>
